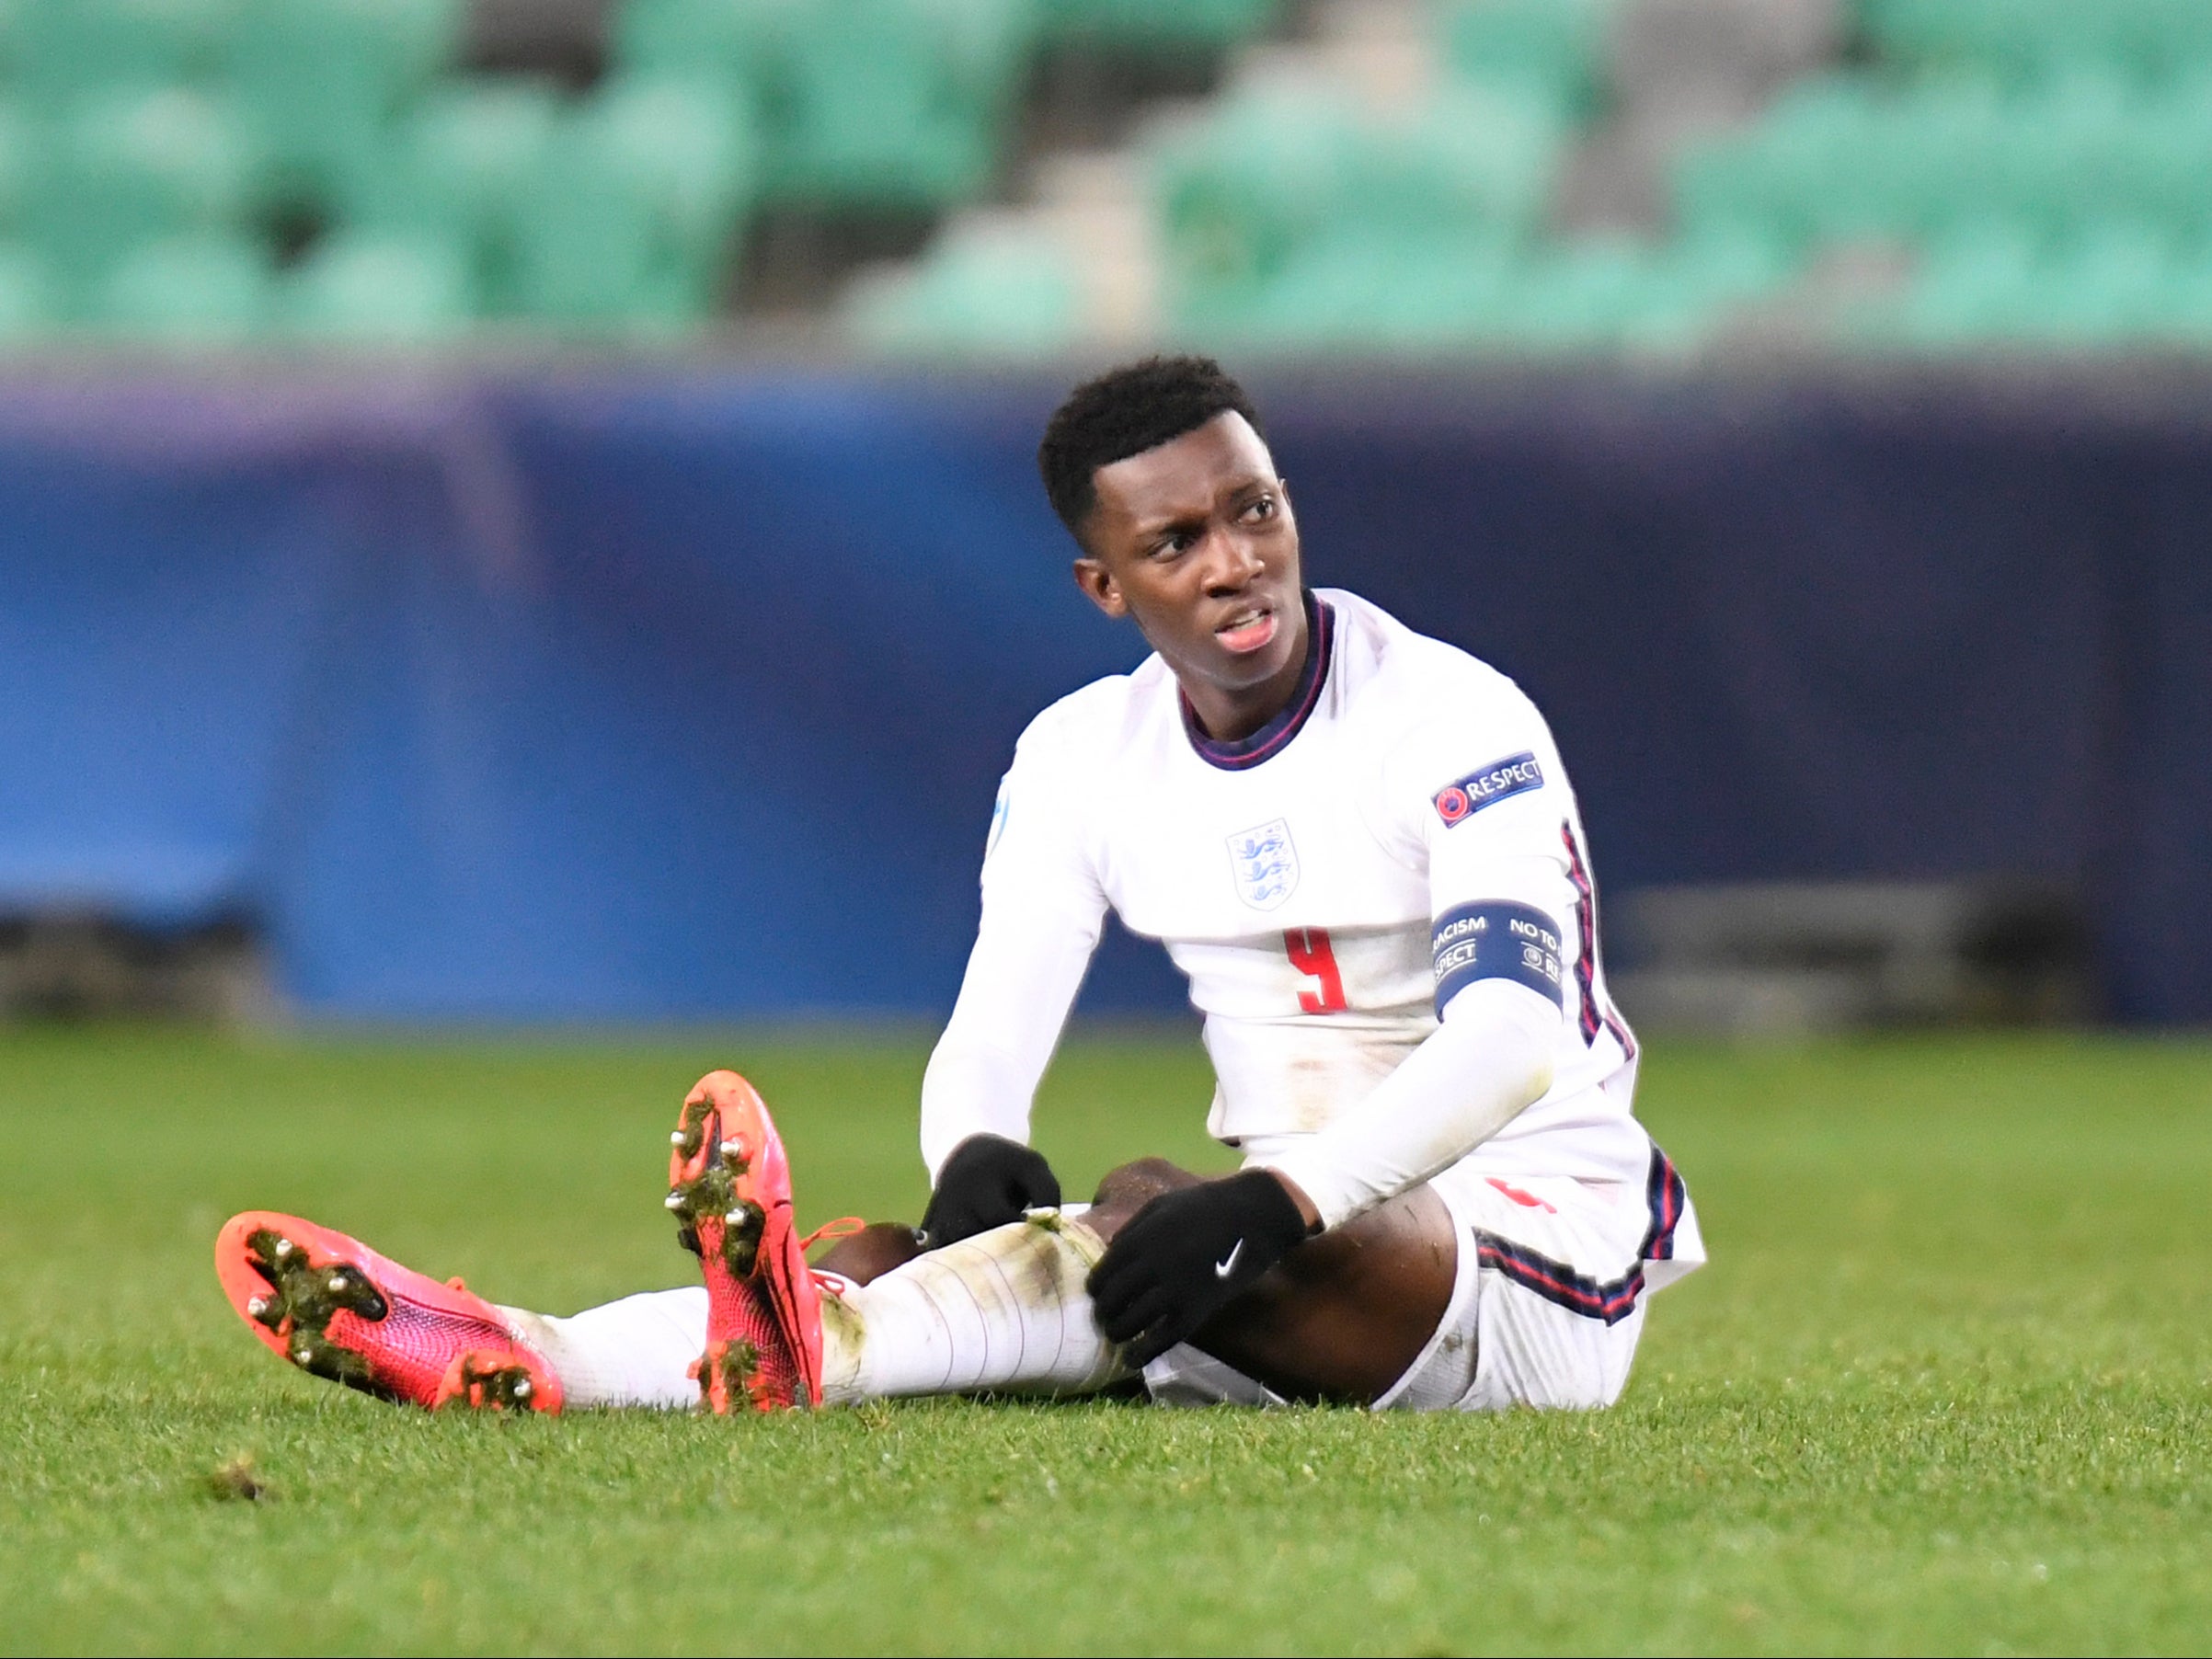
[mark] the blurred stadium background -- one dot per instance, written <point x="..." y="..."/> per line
<point x="518" y="525"/>
<point x="521" y="508"/>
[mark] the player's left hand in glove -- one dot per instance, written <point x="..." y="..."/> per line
<point x="1181" y="1258"/>
<point x="987" y="1181"/>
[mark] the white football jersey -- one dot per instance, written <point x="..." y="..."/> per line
<point x="1403" y="827"/>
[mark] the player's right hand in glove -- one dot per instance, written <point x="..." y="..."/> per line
<point x="987" y="1181"/>
<point x="1186" y="1255"/>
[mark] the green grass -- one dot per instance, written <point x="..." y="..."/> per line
<point x="1943" y="1388"/>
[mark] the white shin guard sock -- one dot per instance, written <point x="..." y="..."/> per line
<point x="1005" y="1309"/>
<point x="638" y="1351"/>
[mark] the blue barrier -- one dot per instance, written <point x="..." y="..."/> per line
<point x="644" y="693"/>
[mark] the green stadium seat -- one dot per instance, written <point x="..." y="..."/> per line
<point x="1605" y="295"/>
<point x="1157" y="26"/>
<point x="1240" y="194"/>
<point x="1973" y="287"/>
<point x="2035" y="39"/>
<point x="1278" y="171"/>
<point x="460" y="169"/>
<point x="696" y="152"/>
<point x="1472" y="164"/>
<point x="1546" y="49"/>
<point x="1359" y="294"/>
<point x="986" y="291"/>
<point x="635" y="208"/>
<point x="2185" y="307"/>
<point x="361" y="289"/>
<point x="23" y="145"/>
<point x="63" y="51"/>
<point x="2165" y="177"/>
<point x="736" y="43"/>
<point x="2108" y="287"/>
<point x="1776" y="180"/>
<point x="30" y="304"/>
<point x="1731" y="270"/>
<point x="991" y="44"/>
<point x="202" y="289"/>
<point x="129" y="169"/>
<point x="320" y="81"/>
<point x="874" y="107"/>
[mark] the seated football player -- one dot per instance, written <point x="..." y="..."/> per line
<point x="1360" y="846"/>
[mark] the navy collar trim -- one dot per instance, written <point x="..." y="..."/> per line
<point x="1274" y="737"/>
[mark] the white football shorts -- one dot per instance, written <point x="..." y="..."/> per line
<point x="1546" y="1305"/>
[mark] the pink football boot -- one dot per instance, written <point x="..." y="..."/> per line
<point x="337" y="1309"/>
<point x="729" y="1189"/>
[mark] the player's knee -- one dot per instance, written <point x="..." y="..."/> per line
<point x="1133" y="1185"/>
<point x="872" y="1251"/>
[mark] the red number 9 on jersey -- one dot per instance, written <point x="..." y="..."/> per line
<point x="1309" y="950"/>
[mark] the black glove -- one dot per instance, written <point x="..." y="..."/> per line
<point x="1185" y="1253"/>
<point x="987" y="1181"/>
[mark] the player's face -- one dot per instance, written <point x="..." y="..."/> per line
<point x="1195" y="540"/>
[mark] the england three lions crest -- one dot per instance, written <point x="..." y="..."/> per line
<point x="1265" y="864"/>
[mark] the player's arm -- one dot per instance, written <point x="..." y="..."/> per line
<point x="1042" y="912"/>
<point x="1488" y="1060"/>
<point x="1500" y="892"/>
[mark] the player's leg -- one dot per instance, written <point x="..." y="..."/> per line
<point x="1553" y="1286"/>
<point x="1002" y="1310"/>
<point x="1006" y="1309"/>
<point x="335" y="1308"/>
<point x="1473" y="1292"/>
<point x="871" y="1252"/>
<point x="1343" y="1316"/>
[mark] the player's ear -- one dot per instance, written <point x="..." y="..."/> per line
<point x="1100" y="587"/>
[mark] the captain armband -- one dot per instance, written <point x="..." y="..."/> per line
<point x="1496" y="940"/>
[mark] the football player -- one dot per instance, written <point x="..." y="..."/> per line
<point x="1360" y="846"/>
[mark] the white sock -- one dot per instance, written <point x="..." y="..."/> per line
<point x="638" y="1351"/>
<point x="1005" y="1309"/>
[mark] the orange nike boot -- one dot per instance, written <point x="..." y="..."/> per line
<point x="729" y="1189"/>
<point x="337" y="1309"/>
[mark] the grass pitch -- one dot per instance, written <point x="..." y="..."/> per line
<point x="1944" y="1388"/>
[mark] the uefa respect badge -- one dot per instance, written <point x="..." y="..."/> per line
<point x="1460" y="800"/>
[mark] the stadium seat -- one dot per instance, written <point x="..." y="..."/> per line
<point x="362" y="288"/>
<point x="1157" y="25"/>
<point x="206" y="288"/>
<point x="460" y="169"/>
<point x="1277" y="171"/>
<point x="1970" y="288"/>
<point x="128" y="169"/>
<point x="875" y="105"/>
<point x="1351" y="294"/>
<point x="732" y="42"/>
<point x="693" y="151"/>
<point x="989" y="289"/>
<point x="320" y="81"/>
<point x="61" y="51"/>
<point x="1608" y="293"/>
<point x="1241" y="192"/>
<point x="30" y="306"/>
<point x="2185" y="311"/>
<point x="2109" y="286"/>
<point x="2025" y="41"/>
<point x="1548" y="50"/>
<point x="633" y="208"/>
<point x="23" y="144"/>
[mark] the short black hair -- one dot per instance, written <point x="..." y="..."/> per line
<point x="1125" y="412"/>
